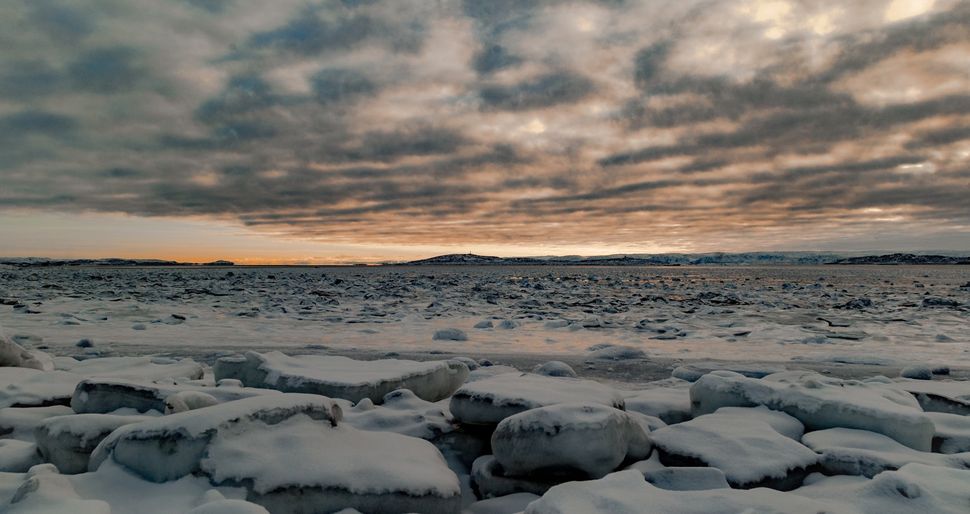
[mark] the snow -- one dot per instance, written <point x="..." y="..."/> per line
<point x="820" y="402"/>
<point x="331" y="468"/>
<point x="169" y="447"/>
<point x="847" y="451"/>
<point x="565" y="439"/>
<point x="44" y="490"/>
<point x="951" y="396"/>
<point x="341" y="377"/>
<point x="751" y="446"/>
<point x="490" y="400"/>
<point x="626" y="492"/>
<point x="229" y="507"/>
<point x="14" y="355"/>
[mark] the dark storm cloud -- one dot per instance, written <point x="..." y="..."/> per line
<point x="535" y="120"/>
<point x="544" y="91"/>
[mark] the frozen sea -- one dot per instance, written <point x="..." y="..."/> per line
<point x="850" y="314"/>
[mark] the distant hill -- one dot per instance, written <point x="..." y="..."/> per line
<point x="43" y="262"/>
<point x="904" y="258"/>
<point x="803" y="258"/>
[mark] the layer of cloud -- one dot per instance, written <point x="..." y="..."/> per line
<point x="680" y="125"/>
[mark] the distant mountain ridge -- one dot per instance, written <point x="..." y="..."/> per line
<point x="904" y="258"/>
<point x="747" y="258"/>
<point x="43" y="262"/>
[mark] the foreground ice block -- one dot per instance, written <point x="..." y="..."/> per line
<point x="847" y="451"/>
<point x="18" y="456"/>
<point x="67" y="441"/>
<point x="952" y="432"/>
<point x="298" y="466"/>
<point x="490" y="400"/>
<point x="753" y="447"/>
<point x="26" y="387"/>
<point x="104" y="395"/>
<point x="573" y="439"/>
<point x="627" y="492"/>
<point x="668" y="400"/>
<point x="342" y="377"/>
<point x="135" y="368"/>
<point x="820" y="402"/>
<point x="170" y="447"/>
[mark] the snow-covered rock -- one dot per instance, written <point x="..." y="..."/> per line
<point x="171" y="447"/>
<point x="627" y="492"/>
<point x="104" y="395"/>
<point x="67" y="441"/>
<point x="952" y="432"/>
<point x="570" y="439"/>
<point x="753" y="447"/>
<point x="555" y="369"/>
<point x="341" y="377"/>
<point x="18" y="456"/>
<point x="490" y="400"/>
<point x="846" y="451"/>
<point x="26" y="387"/>
<point x="318" y="468"/>
<point x="820" y="402"/>
<point x="669" y="401"/>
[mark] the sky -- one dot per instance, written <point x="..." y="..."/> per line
<point x="367" y="130"/>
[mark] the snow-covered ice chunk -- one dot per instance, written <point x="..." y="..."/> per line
<point x="401" y="412"/>
<point x="687" y="478"/>
<point x="952" y="432"/>
<point x="20" y="422"/>
<point x="489" y="480"/>
<point x="489" y="371"/>
<point x="18" y="456"/>
<point x="917" y="372"/>
<point x="951" y="396"/>
<point x="450" y="334"/>
<point x="627" y="492"/>
<point x="26" y="387"/>
<point x="229" y="507"/>
<point x="669" y="401"/>
<point x="146" y="368"/>
<point x="569" y="439"/>
<point x="914" y="488"/>
<point x="692" y="372"/>
<point x="342" y="377"/>
<point x="555" y="369"/>
<point x="170" y="447"/>
<point x="14" y="355"/>
<point x="326" y="469"/>
<point x="67" y="441"/>
<point x="490" y="400"/>
<point x="617" y="353"/>
<point x="847" y="451"/>
<point x="45" y="490"/>
<point x="104" y="395"/>
<point x="509" y="504"/>
<point x="753" y="447"/>
<point x="820" y="402"/>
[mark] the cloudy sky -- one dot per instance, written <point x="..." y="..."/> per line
<point x="344" y="130"/>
